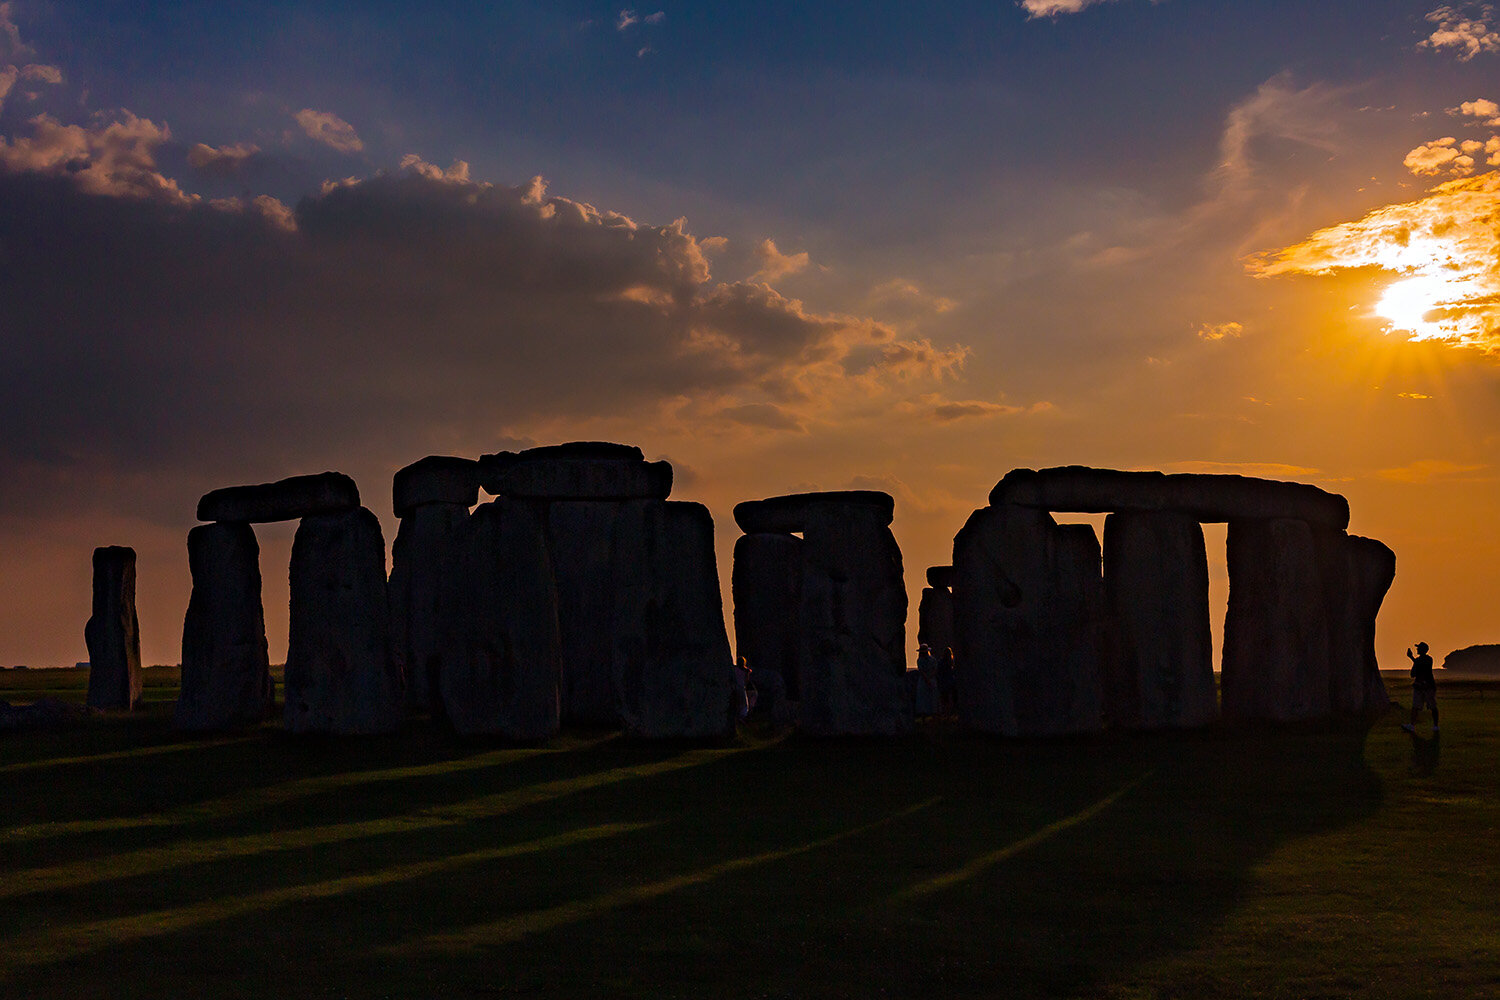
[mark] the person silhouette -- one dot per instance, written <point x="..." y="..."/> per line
<point x="1423" y="687"/>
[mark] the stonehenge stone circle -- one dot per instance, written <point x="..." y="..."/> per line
<point x="226" y="673"/>
<point x="767" y="588"/>
<point x="852" y="613"/>
<point x="500" y="676"/>
<point x="935" y="610"/>
<point x="583" y="470"/>
<point x="340" y="676"/>
<point x="1299" y="630"/>
<point x="422" y="564"/>
<point x="112" y="632"/>
<point x="284" y="500"/>
<point x="1159" y="670"/>
<point x="440" y="479"/>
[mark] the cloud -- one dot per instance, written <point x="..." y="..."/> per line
<point x="1413" y="395"/>
<point x="1054" y="8"/>
<point x="114" y="158"/>
<point x="1481" y="108"/>
<point x="192" y="343"/>
<point x="947" y="413"/>
<point x="1260" y="470"/>
<point x="774" y="264"/>
<point x="8" y="77"/>
<point x="1220" y="331"/>
<point x="11" y="46"/>
<point x="908" y="296"/>
<point x="1438" y="156"/>
<point x="630" y="18"/>
<point x="1463" y="31"/>
<point x="1444" y="248"/>
<point x="42" y="74"/>
<point x="1433" y="470"/>
<point x="222" y="161"/>
<point x="329" y="129"/>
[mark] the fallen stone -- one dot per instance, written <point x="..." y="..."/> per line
<point x="340" y="677"/>
<point x="421" y="571"/>
<point x="1276" y="631"/>
<point x="502" y="677"/>
<point x="1159" y="671"/>
<point x="112" y="632"/>
<point x="853" y="618"/>
<point x="792" y="513"/>
<point x="767" y="589"/>
<point x="284" y="500"/>
<point x="579" y="471"/>
<point x="672" y="664"/>
<point x="1210" y="498"/>
<point x="1028" y="621"/>
<point x="226" y="672"/>
<point x="436" y="479"/>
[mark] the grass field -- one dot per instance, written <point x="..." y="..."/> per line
<point x="1297" y="863"/>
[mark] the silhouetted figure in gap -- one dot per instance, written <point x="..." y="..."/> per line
<point x="744" y="691"/>
<point x="927" y="687"/>
<point x="945" y="682"/>
<point x="1423" y="687"/>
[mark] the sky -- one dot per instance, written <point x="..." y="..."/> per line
<point x="785" y="246"/>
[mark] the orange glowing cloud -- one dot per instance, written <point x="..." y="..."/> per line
<point x="1445" y="248"/>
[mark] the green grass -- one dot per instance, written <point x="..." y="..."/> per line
<point x="1295" y="863"/>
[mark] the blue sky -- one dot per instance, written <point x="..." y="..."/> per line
<point x="918" y="248"/>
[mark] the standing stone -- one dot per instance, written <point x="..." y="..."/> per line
<point x="283" y="500"/>
<point x="226" y="674"/>
<point x="1160" y="671"/>
<point x="503" y="676"/>
<point x="112" y="633"/>
<point x="582" y="537"/>
<point x="672" y="666"/>
<point x="1276" y="630"/>
<point x="1356" y="573"/>
<point x="340" y="677"/>
<point x="935" y="619"/>
<point x="1028" y="623"/>
<point x="853" y="618"/>
<point x="421" y="564"/>
<point x="767" y="588"/>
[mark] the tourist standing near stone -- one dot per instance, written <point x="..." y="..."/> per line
<point x="1423" y="687"/>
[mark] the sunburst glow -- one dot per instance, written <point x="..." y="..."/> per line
<point x="1446" y="248"/>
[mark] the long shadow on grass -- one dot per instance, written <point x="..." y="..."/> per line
<point x="953" y="865"/>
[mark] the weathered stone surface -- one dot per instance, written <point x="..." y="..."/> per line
<point x="1201" y="497"/>
<point x="226" y="672"/>
<point x="935" y="619"/>
<point x="1028" y="622"/>
<point x="1159" y="670"/>
<point x="421" y="567"/>
<point x="1276" y="632"/>
<point x="767" y="588"/>
<point x="582" y="470"/>
<point x="112" y="633"/>
<point x="1356" y="574"/>
<point x="853" y="621"/>
<point x="582" y="536"/>
<point x="786" y="514"/>
<point x="502" y="678"/>
<point x="436" y="479"/>
<point x="340" y="677"/>
<point x="940" y="576"/>
<point x="1482" y="660"/>
<point x="284" y="500"/>
<point x="672" y="665"/>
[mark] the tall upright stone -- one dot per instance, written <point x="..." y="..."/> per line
<point x="1159" y="673"/>
<point x="935" y="610"/>
<point x="853" y="620"/>
<point x="1356" y="574"/>
<point x="587" y="554"/>
<point x="112" y="633"/>
<point x="340" y="676"/>
<point x="671" y="661"/>
<point x="1028" y="622"/>
<point x="767" y="588"/>
<point x="1276" y="631"/>
<point x="502" y="676"/>
<point x="226" y="675"/>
